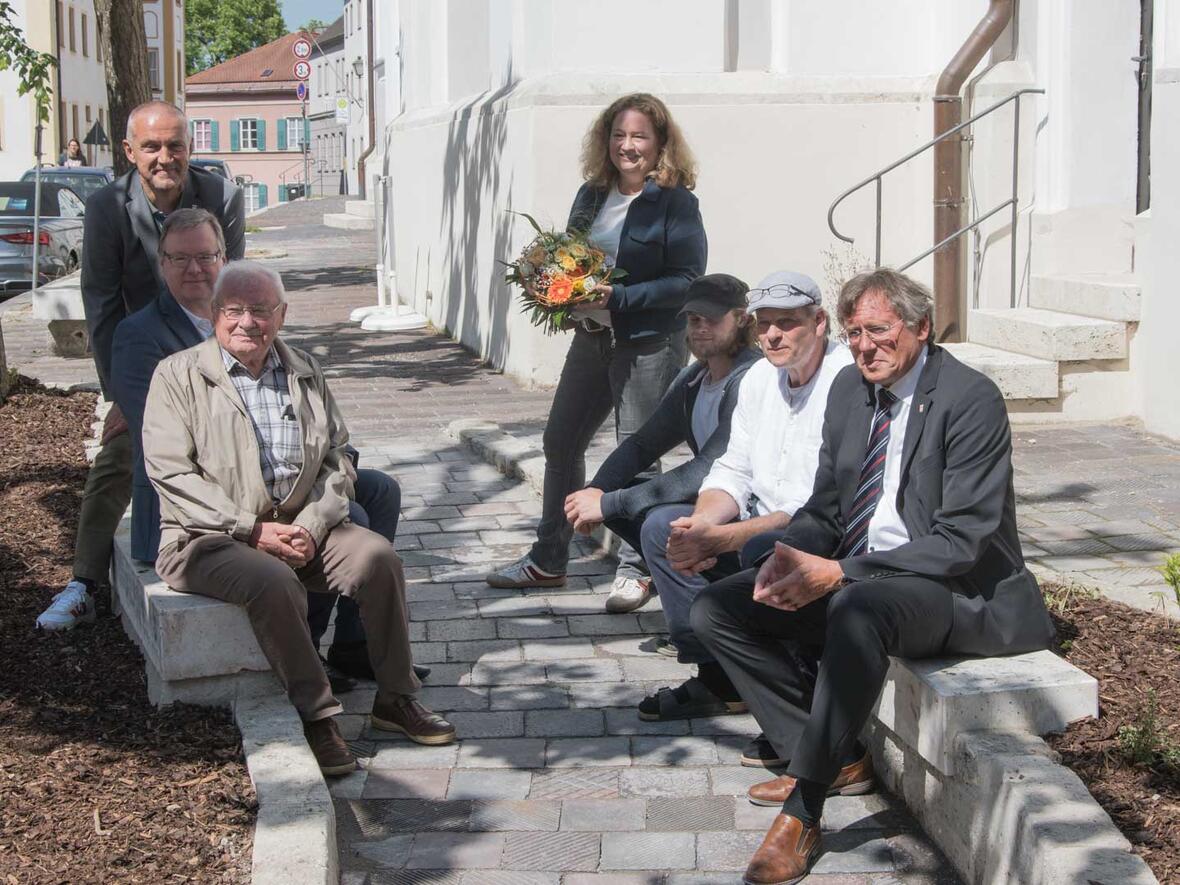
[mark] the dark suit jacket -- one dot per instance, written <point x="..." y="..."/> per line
<point x="120" y="268"/>
<point x="140" y="342"/>
<point x="955" y="497"/>
<point x="662" y="248"/>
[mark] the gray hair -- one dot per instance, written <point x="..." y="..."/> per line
<point x="153" y="105"/>
<point x="909" y="299"/>
<point x="190" y="219"/>
<point x="245" y="276"/>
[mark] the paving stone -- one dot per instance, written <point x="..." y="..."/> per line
<point x="690" y="815"/>
<point x="551" y="851"/>
<point x="509" y="815"/>
<point x="645" y="878"/>
<point x="409" y="783"/>
<point x="654" y="667"/>
<point x="430" y="652"/>
<point x="482" y="783"/>
<point x="652" y="622"/>
<point x="578" y="604"/>
<point x="350" y="786"/>
<point x="449" y="851"/>
<point x="429" y="592"/>
<point x="510" y="877"/>
<point x="644" y="851"/>
<point x="625" y="720"/>
<point x="450" y="699"/>
<point x="531" y="628"/>
<point x="734" y="780"/>
<point x="482" y="650"/>
<point x="460" y="631"/>
<point x="640" y="645"/>
<point x="404" y="754"/>
<point x="741" y="728"/>
<point x="442" y="611"/>
<point x="599" y="752"/>
<point x="849" y="851"/>
<point x="599" y="695"/>
<point x="658" y="782"/>
<point x="389" y="853"/>
<point x="686" y="750"/>
<point x="603" y="625"/>
<point x="727" y="851"/>
<point x="563" y="723"/>
<point x="513" y="606"/>
<point x="498" y="724"/>
<point x="583" y="670"/>
<point x="379" y="818"/>
<point x="585" y="783"/>
<point x="478" y="590"/>
<point x="502" y="753"/>
<point x="556" y="648"/>
<point x="528" y="697"/>
<point x="603" y="815"/>
<point x="507" y="673"/>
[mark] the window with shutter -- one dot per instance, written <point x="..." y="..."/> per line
<point x="261" y="124"/>
<point x="282" y="133"/>
<point x="262" y="196"/>
<point x="235" y="135"/>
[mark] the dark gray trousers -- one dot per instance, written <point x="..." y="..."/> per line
<point x="854" y="631"/>
<point x="599" y="377"/>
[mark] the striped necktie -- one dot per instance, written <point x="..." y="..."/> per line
<point x="872" y="480"/>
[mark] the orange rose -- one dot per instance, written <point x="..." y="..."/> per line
<point x="560" y="290"/>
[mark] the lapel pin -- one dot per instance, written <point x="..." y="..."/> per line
<point x="921" y="408"/>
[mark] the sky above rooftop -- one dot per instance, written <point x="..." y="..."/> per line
<point x="296" y="12"/>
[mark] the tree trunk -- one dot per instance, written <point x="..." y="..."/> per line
<point x="124" y="50"/>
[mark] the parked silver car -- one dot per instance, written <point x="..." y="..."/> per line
<point x="82" y="180"/>
<point x="60" y="233"/>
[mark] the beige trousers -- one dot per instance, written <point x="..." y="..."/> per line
<point x="104" y="501"/>
<point x="352" y="560"/>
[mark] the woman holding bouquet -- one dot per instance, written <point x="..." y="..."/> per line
<point x="628" y="344"/>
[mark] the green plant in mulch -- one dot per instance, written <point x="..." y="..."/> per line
<point x="1171" y="572"/>
<point x="1143" y="742"/>
<point x="1061" y="597"/>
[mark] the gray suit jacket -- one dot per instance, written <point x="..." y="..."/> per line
<point x="955" y="497"/>
<point x="120" y="267"/>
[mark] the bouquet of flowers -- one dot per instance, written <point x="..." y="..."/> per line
<point x="557" y="271"/>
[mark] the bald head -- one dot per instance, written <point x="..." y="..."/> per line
<point x="151" y="110"/>
<point x="158" y="144"/>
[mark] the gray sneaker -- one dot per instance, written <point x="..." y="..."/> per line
<point x="523" y="574"/>
<point x="71" y="607"/>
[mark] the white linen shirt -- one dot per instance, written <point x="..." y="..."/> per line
<point x="887" y="530"/>
<point x="774" y="439"/>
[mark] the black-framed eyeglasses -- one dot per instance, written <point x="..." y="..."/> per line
<point x="878" y="334"/>
<point x="204" y="259"/>
<point x="235" y="312"/>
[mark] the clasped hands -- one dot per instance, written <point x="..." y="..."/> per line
<point x="293" y="544"/>
<point x="790" y="579"/>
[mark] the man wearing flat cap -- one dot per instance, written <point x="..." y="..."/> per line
<point x="695" y="410"/>
<point x="765" y="474"/>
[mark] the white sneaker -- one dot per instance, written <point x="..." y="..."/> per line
<point x="628" y="594"/>
<point x="524" y="573"/>
<point x="71" y="607"/>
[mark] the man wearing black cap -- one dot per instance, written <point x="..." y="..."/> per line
<point x="696" y="409"/>
<point x="765" y="474"/>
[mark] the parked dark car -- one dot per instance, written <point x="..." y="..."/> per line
<point x="217" y="167"/>
<point x="82" y="180"/>
<point x="60" y="233"/>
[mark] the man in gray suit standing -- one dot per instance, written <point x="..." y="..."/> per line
<point x="907" y="547"/>
<point x="120" y="275"/>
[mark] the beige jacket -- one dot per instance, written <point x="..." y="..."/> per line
<point x="201" y="453"/>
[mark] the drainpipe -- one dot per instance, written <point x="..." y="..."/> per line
<point x="369" y="106"/>
<point x="950" y="313"/>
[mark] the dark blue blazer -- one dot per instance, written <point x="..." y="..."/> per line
<point x="140" y="342"/>
<point x="662" y="248"/>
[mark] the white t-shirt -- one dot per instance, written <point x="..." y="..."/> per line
<point x="605" y="233"/>
<point x="706" y="410"/>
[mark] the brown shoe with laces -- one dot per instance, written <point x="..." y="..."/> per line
<point x="403" y="713"/>
<point x="786" y="854"/>
<point x="854" y="779"/>
<point x="328" y="747"/>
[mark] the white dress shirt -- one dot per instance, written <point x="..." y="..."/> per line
<point x="886" y="528"/>
<point x="203" y="326"/>
<point x="775" y="435"/>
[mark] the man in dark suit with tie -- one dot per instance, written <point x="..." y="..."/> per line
<point x="120" y="275"/>
<point x="907" y="547"/>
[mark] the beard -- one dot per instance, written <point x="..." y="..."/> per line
<point x="704" y="350"/>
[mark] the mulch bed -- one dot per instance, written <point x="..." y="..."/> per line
<point x="1135" y="656"/>
<point x="96" y="785"/>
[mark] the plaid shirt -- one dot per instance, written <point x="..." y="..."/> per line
<point x="276" y="426"/>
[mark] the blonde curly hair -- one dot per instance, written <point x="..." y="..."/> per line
<point x="676" y="165"/>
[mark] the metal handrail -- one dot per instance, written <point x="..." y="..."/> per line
<point x="1010" y="202"/>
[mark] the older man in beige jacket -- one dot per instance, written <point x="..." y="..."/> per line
<point x="245" y="446"/>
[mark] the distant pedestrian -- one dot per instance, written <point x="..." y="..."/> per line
<point x="628" y="346"/>
<point x="72" y="155"/>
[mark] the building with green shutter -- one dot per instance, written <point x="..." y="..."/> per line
<point x="246" y="112"/>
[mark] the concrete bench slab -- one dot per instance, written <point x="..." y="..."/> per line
<point x="928" y="704"/>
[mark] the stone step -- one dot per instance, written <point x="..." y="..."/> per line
<point x="1018" y="376"/>
<point x="1103" y="296"/>
<point x="360" y="208"/>
<point x="1048" y="334"/>
<point x="348" y="221"/>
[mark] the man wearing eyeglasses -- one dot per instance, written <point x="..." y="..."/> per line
<point x="121" y="275"/>
<point x="764" y="475"/>
<point x="907" y="546"/>
<point x="246" y="449"/>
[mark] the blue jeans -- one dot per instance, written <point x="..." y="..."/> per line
<point x="600" y="376"/>
<point x="377" y="507"/>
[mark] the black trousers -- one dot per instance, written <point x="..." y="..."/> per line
<point x="853" y="631"/>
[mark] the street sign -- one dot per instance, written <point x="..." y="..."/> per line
<point x="96" y="136"/>
<point x="301" y="91"/>
<point x="302" y="70"/>
<point x="301" y="48"/>
<point x="342" y="109"/>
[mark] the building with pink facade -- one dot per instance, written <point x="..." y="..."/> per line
<point x="245" y="112"/>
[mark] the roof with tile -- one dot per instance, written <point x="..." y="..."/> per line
<point x="271" y="63"/>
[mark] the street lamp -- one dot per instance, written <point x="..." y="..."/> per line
<point x="358" y="65"/>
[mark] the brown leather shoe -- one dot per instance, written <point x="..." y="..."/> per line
<point x="403" y="713"/>
<point x="328" y="747"/>
<point x="854" y="779"/>
<point x="785" y="855"/>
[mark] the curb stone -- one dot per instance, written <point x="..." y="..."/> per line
<point x="295" y="833"/>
